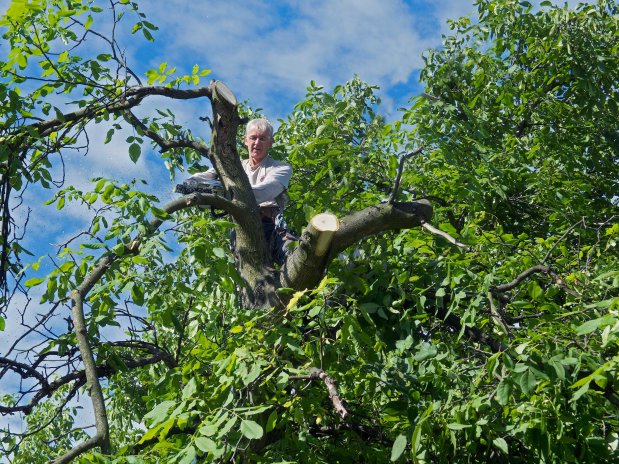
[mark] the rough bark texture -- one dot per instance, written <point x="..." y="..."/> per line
<point x="304" y="268"/>
<point x="252" y="257"/>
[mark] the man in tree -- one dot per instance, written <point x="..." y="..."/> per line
<point x="269" y="180"/>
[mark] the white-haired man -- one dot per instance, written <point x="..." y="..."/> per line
<point x="269" y="180"/>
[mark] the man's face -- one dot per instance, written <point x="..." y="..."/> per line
<point x="258" y="143"/>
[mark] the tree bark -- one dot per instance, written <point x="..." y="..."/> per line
<point x="304" y="267"/>
<point x="252" y="257"/>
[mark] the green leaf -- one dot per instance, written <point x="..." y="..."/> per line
<point x="2" y="324"/>
<point x="251" y="429"/>
<point x="189" y="455"/>
<point x="456" y="426"/>
<point x="501" y="444"/>
<point x="226" y="428"/>
<point x="219" y="252"/>
<point x="558" y="367"/>
<point x="252" y="374"/>
<point x="137" y="293"/>
<point x="159" y="412"/>
<point x="134" y="152"/>
<point x="205" y="444"/>
<point x="209" y="429"/>
<point x="426" y="351"/>
<point x="271" y="421"/>
<point x="535" y="291"/>
<point x="34" y="281"/>
<point x="581" y="391"/>
<point x="503" y="392"/>
<point x="190" y="389"/>
<point x="150" y="433"/>
<point x="594" y="324"/>
<point x="399" y="445"/>
<point x="527" y="382"/>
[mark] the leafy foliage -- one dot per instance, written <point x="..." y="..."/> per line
<point x="504" y="349"/>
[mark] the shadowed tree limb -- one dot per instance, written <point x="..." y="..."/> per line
<point x="520" y="277"/>
<point x="163" y="143"/>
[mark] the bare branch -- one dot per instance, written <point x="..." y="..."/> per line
<point x="316" y="374"/>
<point x="304" y="268"/>
<point x="430" y="228"/>
<point x="24" y="370"/>
<point x="581" y="222"/>
<point x="103" y="371"/>
<point x="398" y="177"/>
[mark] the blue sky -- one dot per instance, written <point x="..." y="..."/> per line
<point x="267" y="52"/>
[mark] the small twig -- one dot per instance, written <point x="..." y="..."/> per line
<point x="398" y="177"/>
<point x="445" y="235"/>
<point x="582" y="221"/>
<point x="315" y="374"/>
<point x="165" y="144"/>
<point x="525" y="316"/>
<point x="496" y="315"/>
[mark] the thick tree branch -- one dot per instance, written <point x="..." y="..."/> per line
<point x="252" y="258"/>
<point x="304" y="268"/>
<point x="102" y="436"/>
<point x="77" y="450"/>
<point x="127" y="100"/>
<point x="377" y="219"/>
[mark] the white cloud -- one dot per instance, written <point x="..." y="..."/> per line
<point x="270" y="52"/>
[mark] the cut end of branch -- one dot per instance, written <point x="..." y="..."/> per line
<point x="223" y="92"/>
<point x="325" y="225"/>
